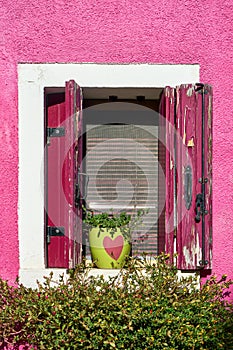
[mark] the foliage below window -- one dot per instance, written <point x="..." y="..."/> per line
<point x="135" y="310"/>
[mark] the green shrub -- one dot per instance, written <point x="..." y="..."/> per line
<point x="141" y="309"/>
<point x="127" y="223"/>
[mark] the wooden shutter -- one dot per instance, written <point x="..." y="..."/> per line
<point x="167" y="162"/>
<point x="64" y="155"/>
<point x="188" y="208"/>
<point x="194" y="169"/>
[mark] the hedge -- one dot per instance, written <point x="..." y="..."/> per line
<point x="145" y="307"/>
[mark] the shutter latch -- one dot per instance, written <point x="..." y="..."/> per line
<point x="200" y="207"/>
<point x="54" y="231"/>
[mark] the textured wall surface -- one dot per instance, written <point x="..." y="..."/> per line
<point x="187" y="31"/>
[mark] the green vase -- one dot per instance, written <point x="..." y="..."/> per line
<point x="108" y="252"/>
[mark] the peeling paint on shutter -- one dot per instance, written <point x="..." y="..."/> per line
<point x="194" y="120"/>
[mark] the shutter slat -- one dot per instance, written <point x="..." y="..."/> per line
<point x="188" y="235"/>
<point x="208" y="174"/>
<point x="167" y="162"/>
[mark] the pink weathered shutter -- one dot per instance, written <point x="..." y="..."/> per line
<point x="167" y="162"/>
<point x="64" y="156"/>
<point x="193" y="147"/>
<point x="57" y="241"/>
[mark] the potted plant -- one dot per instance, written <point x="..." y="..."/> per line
<point x="110" y="237"/>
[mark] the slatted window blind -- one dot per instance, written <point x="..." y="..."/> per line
<point x="122" y="164"/>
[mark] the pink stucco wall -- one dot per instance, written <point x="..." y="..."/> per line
<point x="187" y="31"/>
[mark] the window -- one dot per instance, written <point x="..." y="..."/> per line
<point x="33" y="79"/>
<point x="117" y="146"/>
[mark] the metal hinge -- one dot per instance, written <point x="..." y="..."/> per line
<point x="200" y="88"/>
<point x="54" y="231"/>
<point x="55" y="132"/>
<point x="203" y="263"/>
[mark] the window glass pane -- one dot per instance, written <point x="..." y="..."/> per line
<point x="122" y="164"/>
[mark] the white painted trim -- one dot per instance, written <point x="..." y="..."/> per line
<point x="33" y="78"/>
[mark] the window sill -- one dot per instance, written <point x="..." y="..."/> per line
<point x="29" y="277"/>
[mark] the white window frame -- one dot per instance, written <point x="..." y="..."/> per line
<point x="32" y="79"/>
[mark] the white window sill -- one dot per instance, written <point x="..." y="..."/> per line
<point x="29" y="277"/>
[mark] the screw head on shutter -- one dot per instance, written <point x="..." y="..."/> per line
<point x="55" y="132"/>
<point x="54" y="231"/>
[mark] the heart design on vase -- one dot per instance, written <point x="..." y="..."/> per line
<point x="113" y="247"/>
